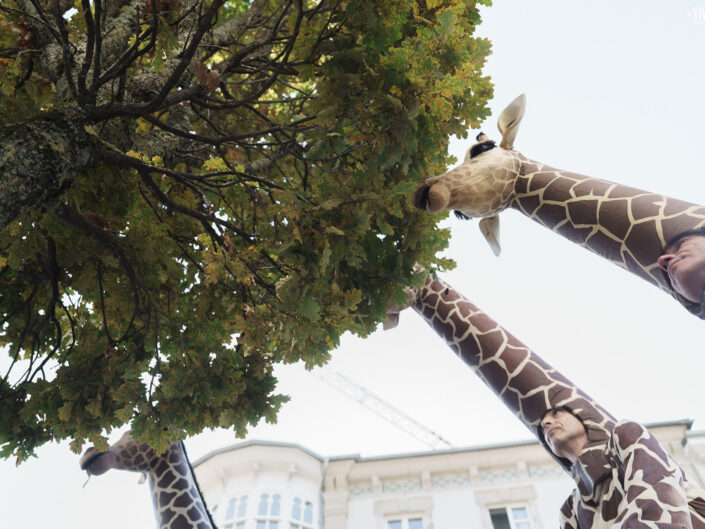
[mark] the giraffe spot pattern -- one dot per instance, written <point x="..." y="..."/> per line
<point x="519" y="377"/>
<point x="613" y="215"/>
<point x="181" y="522"/>
<point x="583" y="212"/>
<point x="628" y="226"/>
<point x="165" y="497"/>
<point x="609" y="248"/>
<point x="175" y="497"/>
<point x="623" y="474"/>
<point x="194" y="514"/>
<point x="166" y="479"/>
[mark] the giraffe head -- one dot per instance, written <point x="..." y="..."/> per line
<point x="483" y="184"/>
<point x="126" y="454"/>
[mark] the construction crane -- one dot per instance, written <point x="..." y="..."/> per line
<point x="383" y="409"/>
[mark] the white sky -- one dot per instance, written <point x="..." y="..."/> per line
<point x="614" y="90"/>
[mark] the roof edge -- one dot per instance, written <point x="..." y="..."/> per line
<point x="256" y="442"/>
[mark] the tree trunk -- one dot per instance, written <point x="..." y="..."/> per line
<point x="39" y="159"/>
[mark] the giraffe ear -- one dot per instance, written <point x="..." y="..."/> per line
<point x="509" y="119"/>
<point x="489" y="227"/>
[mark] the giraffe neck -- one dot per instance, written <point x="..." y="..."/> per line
<point x="525" y="383"/>
<point x="177" y="501"/>
<point x="628" y="226"/>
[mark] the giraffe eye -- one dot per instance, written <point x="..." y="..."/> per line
<point x="479" y="148"/>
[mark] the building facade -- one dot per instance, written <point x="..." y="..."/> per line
<point x="271" y="485"/>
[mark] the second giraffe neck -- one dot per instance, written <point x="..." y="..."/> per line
<point x="175" y="496"/>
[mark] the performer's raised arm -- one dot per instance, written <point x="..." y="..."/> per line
<point x="610" y="462"/>
<point x="658" y="238"/>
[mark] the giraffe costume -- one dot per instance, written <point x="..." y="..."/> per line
<point x="627" y="226"/>
<point x="624" y="478"/>
<point x="178" y="503"/>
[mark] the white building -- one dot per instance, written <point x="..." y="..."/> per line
<point x="271" y="485"/>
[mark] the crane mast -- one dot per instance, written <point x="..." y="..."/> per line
<point x="383" y="409"/>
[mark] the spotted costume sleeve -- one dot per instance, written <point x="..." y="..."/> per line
<point x="569" y="519"/>
<point x="653" y="482"/>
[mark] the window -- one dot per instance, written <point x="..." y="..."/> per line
<point x="268" y="511"/>
<point x="296" y="509"/>
<point x="263" y="505"/>
<point x="301" y="516"/>
<point x="243" y="507"/>
<point x="275" y="507"/>
<point x="230" y="514"/>
<point x="235" y="513"/>
<point x="514" y="517"/>
<point x="405" y="523"/>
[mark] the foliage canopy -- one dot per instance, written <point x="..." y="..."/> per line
<point x="194" y="190"/>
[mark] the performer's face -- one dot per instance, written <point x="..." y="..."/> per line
<point x="684" y="262"/>
<point x="564" y="433"/>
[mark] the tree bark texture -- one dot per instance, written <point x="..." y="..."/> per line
<point x="39" y="159"/>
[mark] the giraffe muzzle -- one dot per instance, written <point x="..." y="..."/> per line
<point x="94" y="462"/>
<point x="431" y="197"/>
<point x="420" y="198"/>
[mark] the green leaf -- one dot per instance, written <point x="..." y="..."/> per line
<point x="309" y="308"/>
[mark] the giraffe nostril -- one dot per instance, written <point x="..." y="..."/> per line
<point x="420" y="199"/>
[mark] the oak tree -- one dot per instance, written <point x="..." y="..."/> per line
<point x="194" y="190"/>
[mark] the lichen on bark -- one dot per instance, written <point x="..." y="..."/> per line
<point x="39" y="160"/>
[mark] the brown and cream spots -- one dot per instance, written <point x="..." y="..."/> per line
<point x="177" y="502"/>
<point x="623" y="475"/>
<point x="628" y="226"/>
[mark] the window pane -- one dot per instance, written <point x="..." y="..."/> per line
<point x="308" y="512"/>
<point x="231" y="509"/>
<point x="522" y="525"/>
<point x="500" y="520"/>
<point x="261" y="524"/>
<point x="294" y="526"/>
<point x="273" y="525"/>
<point x="520" y="513"/>
<point x="416" y="523"/>
<point x="243" y="507"/>
<point x="274" y="510"/>
<point x="263" y="504"/>
<point x="296" y="509"/>
<point x="394" y="524"/>
<point x="240" y="525"/>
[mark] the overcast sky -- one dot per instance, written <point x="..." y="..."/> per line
<point x="614" y="90"/>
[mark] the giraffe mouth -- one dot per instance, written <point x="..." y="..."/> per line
<point x="420" y="199"/>
<point x="89" y="458"/>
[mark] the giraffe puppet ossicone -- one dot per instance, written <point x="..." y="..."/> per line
<point x="177" y="501"/>
<point x="625" y="225"/>
<point x="625" y="479"/>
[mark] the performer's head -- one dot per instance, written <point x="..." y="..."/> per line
<point x="684" y="262"/>
<point x="564" y="433"/>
